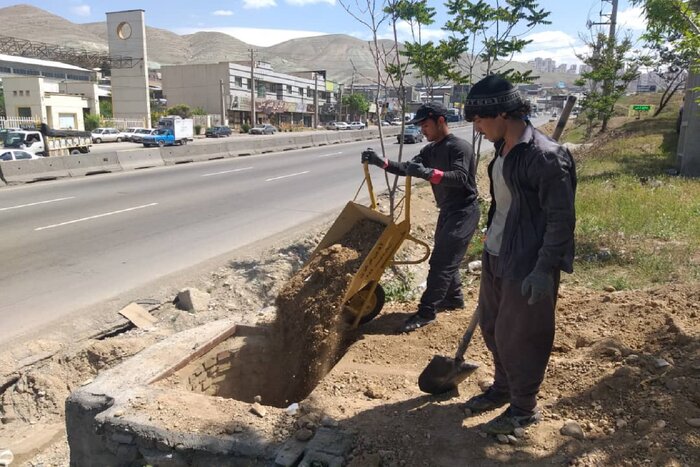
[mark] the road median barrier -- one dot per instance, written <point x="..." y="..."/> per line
<point x="334" y="137"/>
<point x="173" y="155"/>
<point x="91" y="164"/>
<point x="305" y="141"/>
<point x="144" y="158"/>
<point x="242" y="147"/>
<point x="47" y="168"/>
<point x="319" y="138"/>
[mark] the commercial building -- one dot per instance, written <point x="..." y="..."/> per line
<point x="297" y="99"/>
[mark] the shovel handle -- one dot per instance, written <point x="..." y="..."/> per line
<point x="467" y="337"/>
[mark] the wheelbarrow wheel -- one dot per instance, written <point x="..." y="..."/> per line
<point x="375" y="305"/>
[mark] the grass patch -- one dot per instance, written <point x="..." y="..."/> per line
<point x="636" y="225"/>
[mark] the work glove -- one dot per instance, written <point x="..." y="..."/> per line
<point x="368" y="155"/>
<point x="417" y="169"/>
<point x="538" y="285"/>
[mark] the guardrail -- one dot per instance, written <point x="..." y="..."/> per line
<point x="50" y="168"/>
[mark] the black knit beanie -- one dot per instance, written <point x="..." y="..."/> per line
<point x="491" y="96"/>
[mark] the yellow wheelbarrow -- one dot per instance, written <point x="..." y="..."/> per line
<point x="365" y="297"/>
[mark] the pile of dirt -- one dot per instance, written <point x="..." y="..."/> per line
<point x="310" y="329"/>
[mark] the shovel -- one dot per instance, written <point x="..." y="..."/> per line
<point x="443" y="374"/>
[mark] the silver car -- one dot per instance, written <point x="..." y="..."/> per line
<point x="106" y="135"/>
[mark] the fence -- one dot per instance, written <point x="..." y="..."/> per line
<point x="18" y="122"/>
<point x="124" y="123"/>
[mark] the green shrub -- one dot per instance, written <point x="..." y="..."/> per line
<point x="245" y="128"/>
<point x="92" y="121"/>
<point x="198" y="129"/>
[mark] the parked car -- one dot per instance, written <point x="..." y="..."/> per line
<point x="217" y="132"/>
<point x="337" y="126"/>
<point x="129" y="133"/>
<point x="357" y="126"/>
<point x="137" y="136"/>
<point x="396" y="122"/>
<point x="385" y="123"/>
<point x="411" y="134"/>
<point x="17" y="155"/>
<point x="263" y="129"/>
<point x="105" y="135"/>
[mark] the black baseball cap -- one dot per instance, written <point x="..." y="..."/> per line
<point x="429" y="110"/>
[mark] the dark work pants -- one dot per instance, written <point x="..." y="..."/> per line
<point x="453" y="232"/>
<point x="519" y="335"/>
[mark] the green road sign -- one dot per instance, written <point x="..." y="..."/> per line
<point x="641" y="108"/>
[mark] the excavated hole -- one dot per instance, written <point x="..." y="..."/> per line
<point x="283" y="362"/>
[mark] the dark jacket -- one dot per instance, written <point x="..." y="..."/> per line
<point x="455" y="157"/>
<point x="539" y="229"/>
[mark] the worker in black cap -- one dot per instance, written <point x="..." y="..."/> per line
<point x="448" y="164"/>
<point x="529" y="241"/>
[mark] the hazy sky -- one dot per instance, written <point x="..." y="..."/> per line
<point x="267" y="22"/>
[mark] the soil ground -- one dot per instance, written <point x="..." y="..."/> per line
<point x="625" y="368"/>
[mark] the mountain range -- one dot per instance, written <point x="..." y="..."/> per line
<point x="346" y="59"/>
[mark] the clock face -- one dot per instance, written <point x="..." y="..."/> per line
<point x="124" y="30"/>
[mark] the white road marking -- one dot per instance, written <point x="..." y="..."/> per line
<point x="95" y="216"/>
<point x="35" y="204"/>
<point x="226" y="172"/>
<point x="331" y="154"/>
<point x="287" y="176"/>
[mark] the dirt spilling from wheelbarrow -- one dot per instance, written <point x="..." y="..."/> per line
<point x="311" y="333"/>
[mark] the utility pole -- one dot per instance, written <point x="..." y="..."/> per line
<point x="315" y="99"/>
<point x="340" y="103"/>
<point x="223" y="103"/>
<point x="252" y="87"/>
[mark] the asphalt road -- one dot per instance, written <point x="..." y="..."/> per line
<point x="71" y="243"/>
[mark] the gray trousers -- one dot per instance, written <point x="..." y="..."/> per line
<point x="519" y="336"/>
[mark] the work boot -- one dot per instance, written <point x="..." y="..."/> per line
<point x="509" y="420"/>
<point x="416" y="321"/>
<point x="487" y="400"/>
<point x="449" y="304"/>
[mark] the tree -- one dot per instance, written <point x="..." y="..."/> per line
<point x="183" y="110"/>
<point x="356" y="103"/>
<point x="494" y="34"/>
<point x="673" y="36"/>
<point x="106" y="108"/>
<point x="433" y="62"/>
<point x="611" y="73"/>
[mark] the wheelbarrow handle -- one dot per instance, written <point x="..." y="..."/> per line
<point x="426" y="255"/>
<point x="370" y="187"/>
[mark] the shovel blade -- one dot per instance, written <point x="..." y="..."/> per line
<point x="443" y="374"/>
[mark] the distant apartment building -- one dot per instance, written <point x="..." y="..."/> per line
<point x="561" y="68"/>
<point x="279" y="98"/>
<point x="572" y="69"/>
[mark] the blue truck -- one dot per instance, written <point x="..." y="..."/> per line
<point x="175" y="131"/>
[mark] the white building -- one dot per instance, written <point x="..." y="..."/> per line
<point x="59" y="105"/>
